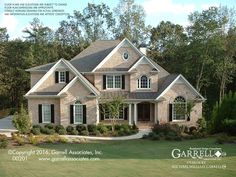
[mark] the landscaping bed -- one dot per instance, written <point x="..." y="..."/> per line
<point x="99" y="130"/>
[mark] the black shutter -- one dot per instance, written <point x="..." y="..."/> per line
<point x="123" y="81"/>
<point x="52" y="113"/>
<point x="101" y="112"/>
<point x="56" y="76"/>
<point x="104" y="82"/>
<point x="40" y="113"/>
<point x="72" y="114"/>
<point x="170" y="112"/>
<point x="84" y="114"/>
<point x="126" y="113"/>
<point x="67" y="76"/>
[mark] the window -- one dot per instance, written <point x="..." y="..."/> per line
<point x="144" y="82"/>
<point x="113" y="81"/>
<point x="46" y="113"/>
<point x="179" y="108"/>
<point x="62" y="76"/>
<point x="78" y="113"/>
<point x="125" y="55"/>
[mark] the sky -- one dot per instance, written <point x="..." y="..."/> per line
<point x="176" y="11"/>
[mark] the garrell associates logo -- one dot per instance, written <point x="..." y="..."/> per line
<point x="199" y="153"/>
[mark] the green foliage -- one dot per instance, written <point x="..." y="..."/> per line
<point x="3" y="141"/>
<point x="21" y="121"/>
<point x="223" y="112"/>
<point x="69" y="129"/>
<point x="80" y="128"/>
<point x="49" y="126"/>
<point x="59" y="127"/>
<point x="92" y="128"/>
<point x="36" y="131"/>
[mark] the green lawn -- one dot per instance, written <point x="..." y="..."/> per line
<point x="120" y="158"/>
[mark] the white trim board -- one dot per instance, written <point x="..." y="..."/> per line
<point x="72" y="69"/>
<point x="140" y="60"/>
<point x="188" y="84"/>
<point x="115" y="50"/>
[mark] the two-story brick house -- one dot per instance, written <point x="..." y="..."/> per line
<point x="69" y="92"/>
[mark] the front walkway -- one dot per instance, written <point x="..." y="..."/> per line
<point x="130" y="137"/>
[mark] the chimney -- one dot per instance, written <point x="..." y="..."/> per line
<point x="143" y="48"/>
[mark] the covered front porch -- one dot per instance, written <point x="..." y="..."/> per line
<point x="141" y="114"/>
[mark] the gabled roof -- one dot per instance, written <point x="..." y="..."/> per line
<point x="84" y="81"/>
<point x="116" y="48"/>
<point x="43" y="68"/>
<point x="89" y="58"/>
<point x="143" y="58"/>
<point x="170" y="81"/>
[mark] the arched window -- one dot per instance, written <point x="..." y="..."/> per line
<point x="78" y="113"/>
<point x="179" y="108"/>
<point x="144" y="82"/>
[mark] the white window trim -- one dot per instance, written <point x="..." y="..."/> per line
<point x="185" y="116"/>
<point x="113" y="82"/>
<point x="148" y="83"/>
<point x="46" y="122"/>
<point x="59" y="77"/>
<point x="77" y="104"/>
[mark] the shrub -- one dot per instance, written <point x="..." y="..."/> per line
<point x="84" y="132"/>
<point x="3" y="141"/>
<point x="33" y="140"/>
<point x="156" y="136"/>
<point x="80" y="128"/>
<point x="69" y="129"/>
<point x="59" y="127"/>
<point x="201" y="124"/>
<point x="192" y="129"/>
<point x="20" y="140"/>
<point x="21" y="121"/>
<point x="102" y="129"/>
<point x="74" y="132"/>
<point x="49" y="126"/>
<point x="63" y="140"/>
<point x="117" y="127"/>
<point x="92" y="128"/>
<point x="224" y="138"/>
<point x="48" y="131"/>
<point x="62" y="131"/>
<point x="121" y="133"/>
<point x="109" y="127"/>
<point x="37" y="126"/>
<point x="36" y="131"/>
<point x="134" y="126"/>
<point x="230" y="127"/>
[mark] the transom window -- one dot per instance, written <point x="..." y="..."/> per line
<point x="78" y="113"/>
<point x="46" y="113"/>
<point x="144" y="82"/>
<point x="62" y="76"/>
<point x="179" y="108"/>
<point x="113" y="81"/>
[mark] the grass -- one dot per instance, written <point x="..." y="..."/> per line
<point x="119" y="158"/>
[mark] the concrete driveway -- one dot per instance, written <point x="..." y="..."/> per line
<point x="6" y="124"/>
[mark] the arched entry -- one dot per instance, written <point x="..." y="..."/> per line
<point x="144" y="111"/>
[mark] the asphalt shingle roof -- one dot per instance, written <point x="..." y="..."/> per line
<point x="89" y="58"/>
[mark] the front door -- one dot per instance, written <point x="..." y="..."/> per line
<point x="144" y="112"/>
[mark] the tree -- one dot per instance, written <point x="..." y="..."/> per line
<point x="112" y="109"/>
<point x="167" y="41"/>
<point x="3" y="35"/>
<point x="206" y="37"/>
<point x="21" y="121"/>
<point x="37" y="33"/>
<point x="96" y="22"/>
<point x="131" y="22"/>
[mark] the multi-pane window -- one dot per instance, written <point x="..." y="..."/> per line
<point x="46" y="113"/>
<point x="78" y="113"/>
<point x="179" y="108"/>
<point x="113" y="81"/>
<point x="144" y="82"/>
<point x="62" y="77"/>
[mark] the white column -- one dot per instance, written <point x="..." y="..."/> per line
<point x="130" y="114"/>
<point x="135" y="113"/>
